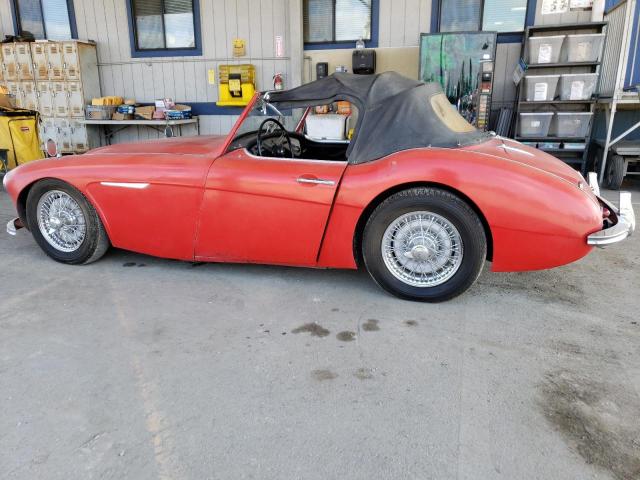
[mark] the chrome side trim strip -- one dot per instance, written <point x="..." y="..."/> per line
<point x="515" y="149"/>
<point x="134" y="185"/>
<point x="592" y="178"/>
<point x="315" y="181"/>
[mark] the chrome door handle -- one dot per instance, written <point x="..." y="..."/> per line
<point x="315" y="181"/>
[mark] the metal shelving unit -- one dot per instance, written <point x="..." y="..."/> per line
<point x="573" y="156"/>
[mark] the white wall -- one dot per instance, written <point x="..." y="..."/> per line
<point x="185" y="78"/>
<point x="402" y="21"/>
<point x="6" y="20"/>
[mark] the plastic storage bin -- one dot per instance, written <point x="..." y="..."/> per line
<point x="330" y="126"/>
<point x="545" y="49"/>
<point x="541" y="88"/>
<point x="583" y="47"/>
<point x="571" y="124"/>
<point x="577" y="86"/>
<point x="534" y="124"/>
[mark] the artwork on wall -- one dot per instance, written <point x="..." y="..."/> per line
<point x="454" y="60"/>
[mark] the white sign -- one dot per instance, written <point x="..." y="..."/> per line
<point x="544" y="53"/>
<point x="279" y="46"/>
<point x="577" y="89"/>
<point x="540" y="92"/>
<point x="580" y="4"/>
<point x="550" y="7"/>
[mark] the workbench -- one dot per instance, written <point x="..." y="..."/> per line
<point x="111" y="127"/>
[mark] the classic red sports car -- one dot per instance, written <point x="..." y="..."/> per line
<point x="417" y="196"/>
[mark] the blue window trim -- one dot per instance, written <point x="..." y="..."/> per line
<point x="503" y="37"/>
<point x="373" y="43"/>
<point x="177" y="52"/>
<point x="70" y="10"/>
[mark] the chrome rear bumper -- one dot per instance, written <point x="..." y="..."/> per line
<point x="622" y="229"/>
<point x="13" y="226"/>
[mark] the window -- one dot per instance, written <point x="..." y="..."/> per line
<point x="48" y="19"/>
<point x="331" y="21"/>
<point x="488" y="15"/>
<point x="165" y="25"/>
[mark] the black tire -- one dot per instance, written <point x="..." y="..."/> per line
<point x="451" y="208"/>
<point x="96" y="241"/>
<point x="615" y="172"/>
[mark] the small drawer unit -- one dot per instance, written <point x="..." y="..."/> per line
<point x="45" y="98"/>
<point x="54" y="55"/>
<point x="76" y="99"/>
<point x="60" y="104"/>
<point x="23" y="60"/>
<point x="9" y="63"/>
<point x="40" y="61"/>
<point x="29" y="95"/>
<point x="15" y="92"/>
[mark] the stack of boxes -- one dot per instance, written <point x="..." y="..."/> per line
<point x="57" y="79"/>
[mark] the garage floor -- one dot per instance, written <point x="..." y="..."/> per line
<point x="141" y="368"/>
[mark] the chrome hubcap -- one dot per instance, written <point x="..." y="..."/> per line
<point x="61" y="221"/>
<point x="422" y="249"/>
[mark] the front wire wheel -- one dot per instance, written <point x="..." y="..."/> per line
<point x="64" y="223"/>
<point x="424" y="244"/>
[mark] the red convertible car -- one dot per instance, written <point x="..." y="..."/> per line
<point x="417" y="196"/>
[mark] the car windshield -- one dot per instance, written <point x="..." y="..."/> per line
<point x="263" y="110"/>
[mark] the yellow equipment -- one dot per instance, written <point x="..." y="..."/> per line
<point x="19" y="135"/>
<point x="237" y="85"/>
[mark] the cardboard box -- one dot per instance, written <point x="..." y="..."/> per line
<point x="121" y="116"/>
<point x="6" y="101"/>
<point x="145" y="113"/>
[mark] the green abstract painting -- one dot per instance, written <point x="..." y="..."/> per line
<point x="453" y="60"/>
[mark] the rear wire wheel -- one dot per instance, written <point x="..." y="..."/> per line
<point x="64" y="224"/>
<point x="424" y="244"/>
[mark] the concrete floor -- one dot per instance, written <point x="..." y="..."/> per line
<point x="142" y="368"/>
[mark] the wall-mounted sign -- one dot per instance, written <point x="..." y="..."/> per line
<point x="580" y="4"/>
<point x="550" y="7"/>
<point x="279" y="46"/>
<point x="239" y="49"/>
<point x="211" y="76"/>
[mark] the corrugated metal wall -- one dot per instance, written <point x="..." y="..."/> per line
<point x="185" y="78"/>
<point x="6" y="20"/>
<point x="613" y="47"/>
<point x="402" y="21"/>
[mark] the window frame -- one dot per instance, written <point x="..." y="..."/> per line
<point x="164" y="52"/>
<point x="349" y="44"/>
<point x="503" y="37"/>
<point x="17" y="24"/>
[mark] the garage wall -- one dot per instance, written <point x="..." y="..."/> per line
<point x="402" y="21"/>
<point x="6" y="20"/>
<point x="185" y="78"/>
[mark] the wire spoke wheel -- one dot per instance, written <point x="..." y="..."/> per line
<point x="61" y="221"/>
<point x="422" y="249"/>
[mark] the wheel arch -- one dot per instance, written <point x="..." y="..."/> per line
<point x="377" y="200"/>
<point x="21" y="201"/>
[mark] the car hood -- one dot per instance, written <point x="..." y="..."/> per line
<point x="200" y="145"/>
<point x="511" y="150"/>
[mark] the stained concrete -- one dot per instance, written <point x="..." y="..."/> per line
<point x="194" y="371"/>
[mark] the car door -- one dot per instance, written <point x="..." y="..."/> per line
<point x="266" y="210"/>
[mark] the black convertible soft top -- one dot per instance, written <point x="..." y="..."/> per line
<point x="394" y="113"/>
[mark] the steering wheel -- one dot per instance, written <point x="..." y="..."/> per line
<point x="277" y="150"/>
